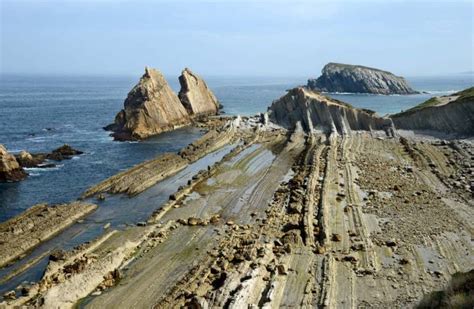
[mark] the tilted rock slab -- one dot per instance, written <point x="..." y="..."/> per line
<point x="196" y="97"/>
<point x="35" y="225"/>
<point x="10" y="169"/>
<point x="150" y="108"/>
<point x="315" y="111"/>
<point x="337" y="77"/>
<point x="452" y="114"/>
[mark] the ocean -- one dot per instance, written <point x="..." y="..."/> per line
<point x="41" y="113"/>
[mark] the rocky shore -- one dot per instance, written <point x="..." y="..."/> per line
<point x="338" y="77"/>
<point x="317" y="204"/>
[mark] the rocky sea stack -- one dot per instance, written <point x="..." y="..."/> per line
<point x="337" y="77"/>
<point x="152" y="107"/>
<point x="317" y="112"/>
<point x="453" y="114"/>
<point x="10" y="169"/>
<point x="196" y="97"/>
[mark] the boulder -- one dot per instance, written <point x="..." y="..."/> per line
<point x="150" y="108"/>
<point x="337" y="77"/>
<point x="10" y="169"/>
<point x="196" y="97"/>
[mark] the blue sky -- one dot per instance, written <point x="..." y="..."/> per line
<point x="248" y="38"/>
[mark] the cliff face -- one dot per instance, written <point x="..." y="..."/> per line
<point x="338" y="77"/>
<point x="10" y="170"/>
<point x="315" y="111"/>
<point x="196" y="97"/>
<point x="150" y="108"/>
<point x="452" y="114"/>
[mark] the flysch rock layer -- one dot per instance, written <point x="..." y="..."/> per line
<point x="337" y="77"/>
<point x="150" y="108"/>
<point x="317" y="112"/>
<point x="10" y="169"/>
<point x="40" y="222"/>
<point x="196" y="96"/>
<point x="452" y="114"/>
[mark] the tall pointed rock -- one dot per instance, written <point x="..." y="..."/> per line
<point x="196" y="96"/>
<point x="150" y="108"/>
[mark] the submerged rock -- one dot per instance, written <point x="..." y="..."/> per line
<point x="10" y="169"/>
<point x="453" y="114"/>
<point x="337" y="77"/>
<point x="313" y="111"/>
<point x="150" y="108"/>
<point x="196" y="97"/>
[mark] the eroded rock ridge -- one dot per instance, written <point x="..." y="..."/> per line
<point x="317" y="112"/>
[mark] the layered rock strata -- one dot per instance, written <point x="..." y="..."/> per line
<point x="196" y="97"/>
<point x="337" y="77"/>
<point x="150" y="108"/>
<point x="317" y="112"/>
<point x="40" y="222"/>
<point x="142" y="176"/>
<point x="453" y="114"/>
<point x="10" y="169"/>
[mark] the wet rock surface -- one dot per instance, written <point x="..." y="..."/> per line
<point x="40" y="222"/>
<point x="337" y="77"/>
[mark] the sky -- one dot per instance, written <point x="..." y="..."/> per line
<point x="235" y="38"/>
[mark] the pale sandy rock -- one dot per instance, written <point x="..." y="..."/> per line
<point x="150" y="108"/>
<point x="10" y="169"/>
<point x="314" y="111"/>
<point x="196" y="96"/>
<point x="337" y="77"/>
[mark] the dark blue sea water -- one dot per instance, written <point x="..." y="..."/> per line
<point x="40" y="113"/>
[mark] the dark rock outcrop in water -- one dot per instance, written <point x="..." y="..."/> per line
<point x="196" y="97"/>
<point x="453" y="114"/>
<point x="315" y="111"/>
<point x="65" y="152"/>
<point x="338" y="77"/>
<point x="10" y="169"/>
<point x="150" y="108"/>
